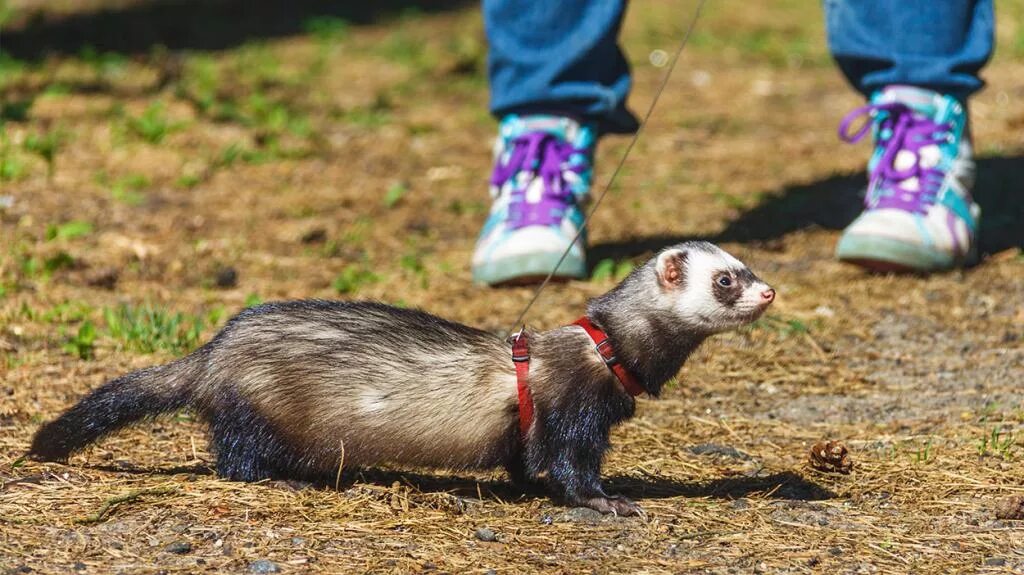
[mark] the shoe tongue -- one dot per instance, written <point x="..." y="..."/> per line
<point x="921" y="100"/>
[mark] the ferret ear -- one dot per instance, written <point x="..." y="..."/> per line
<point x="671" y="268"/>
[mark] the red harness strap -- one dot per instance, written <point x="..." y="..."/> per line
<point x="604" y="349"/>
<point x="521" y="359"/>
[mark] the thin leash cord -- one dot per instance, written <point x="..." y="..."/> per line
<point x="618" y="168"/>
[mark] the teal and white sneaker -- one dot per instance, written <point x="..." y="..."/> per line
<point x="543" y="168"/>
<point x="919" y="215"/>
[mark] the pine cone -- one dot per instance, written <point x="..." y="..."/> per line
<point x="830" y="457"/>
<point x="1010" y="508"/>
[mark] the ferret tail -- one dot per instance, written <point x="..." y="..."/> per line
<point x="116" y="404"/>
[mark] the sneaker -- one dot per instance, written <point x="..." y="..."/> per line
<point x="543" y="167"/>
<point x="919" y="215"/>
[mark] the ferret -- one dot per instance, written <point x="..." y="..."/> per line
<point x="292" y="390"/>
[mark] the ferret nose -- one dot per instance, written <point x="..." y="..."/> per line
<point x="767" y="296"/>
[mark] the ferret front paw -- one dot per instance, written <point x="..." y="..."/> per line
<point x="615" y="504"/>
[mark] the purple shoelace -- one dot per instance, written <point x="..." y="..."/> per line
<point x="900" y="128"/>
<point x="547" y="157"/>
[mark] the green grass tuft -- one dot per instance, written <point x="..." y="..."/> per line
<point x="351" y="278"/>
<point x="148" y="329"/>
<point x="327" y="29"/>
<point x="46" y="145"/>
<point x="608" y="269"/>
<point x="11" y="168"/>
<point x="153" y="125"/>
<point x="395" y="194"/>
<point x="68" y="231"/>
<point x="82" y="344"/>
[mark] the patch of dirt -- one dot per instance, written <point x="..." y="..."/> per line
<point x="350" y="162"/>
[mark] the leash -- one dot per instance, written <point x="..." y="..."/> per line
<point x="622" y="161"/>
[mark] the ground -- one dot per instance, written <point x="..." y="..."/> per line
<point x="164" y="164"/>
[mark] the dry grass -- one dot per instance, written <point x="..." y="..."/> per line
<point x="919" y="377"/>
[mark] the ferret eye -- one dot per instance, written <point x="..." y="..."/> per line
<point x="725" y="281"/>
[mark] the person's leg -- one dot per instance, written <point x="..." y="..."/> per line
<point x="918" y="62"/>
<point x="558" y="57"/>
<point x="936" y="44"/>
<point x="558" y="79"/>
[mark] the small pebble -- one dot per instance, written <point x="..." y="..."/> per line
<point x="298" y="541"/>
<point x="581" y="515"/>
<point x="995" y="562"/>
<point x="105" y="278"/>
<point x="226" y="277"/>
<point x="314" y="236"/>
<point x="1010" y="508"/>
<point x="179" y="547"/>
<point x="485" y="534"/>
<point x="824" y="311"/>
<point x="264" y="566"/>
<point x="290" y="484"/>
<point x="78" y="566"/>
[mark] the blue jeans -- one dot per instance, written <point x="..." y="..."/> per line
<point x="563" y="56"/>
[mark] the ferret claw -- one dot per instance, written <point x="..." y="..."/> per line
<point x="616" y="505"/>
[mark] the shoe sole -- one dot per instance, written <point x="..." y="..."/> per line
<point x="527" y="269"/>
<point x="879" y="254"/>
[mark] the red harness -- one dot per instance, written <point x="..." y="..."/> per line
<point x="604" y="349"/>
<point x="521" y="359"/>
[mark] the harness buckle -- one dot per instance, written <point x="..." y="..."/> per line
<point x="513" y="338"/>
<point x="520" y="349"/>
<point x="604" y="349"/>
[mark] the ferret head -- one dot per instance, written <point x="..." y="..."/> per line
<point x="708" y="289"/>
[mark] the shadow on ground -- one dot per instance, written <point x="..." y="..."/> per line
<point x="834" y="202"/>
<point x="194" y="24"/>
<point x="785" y="485"/>
<point x="1000" y="193"/>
